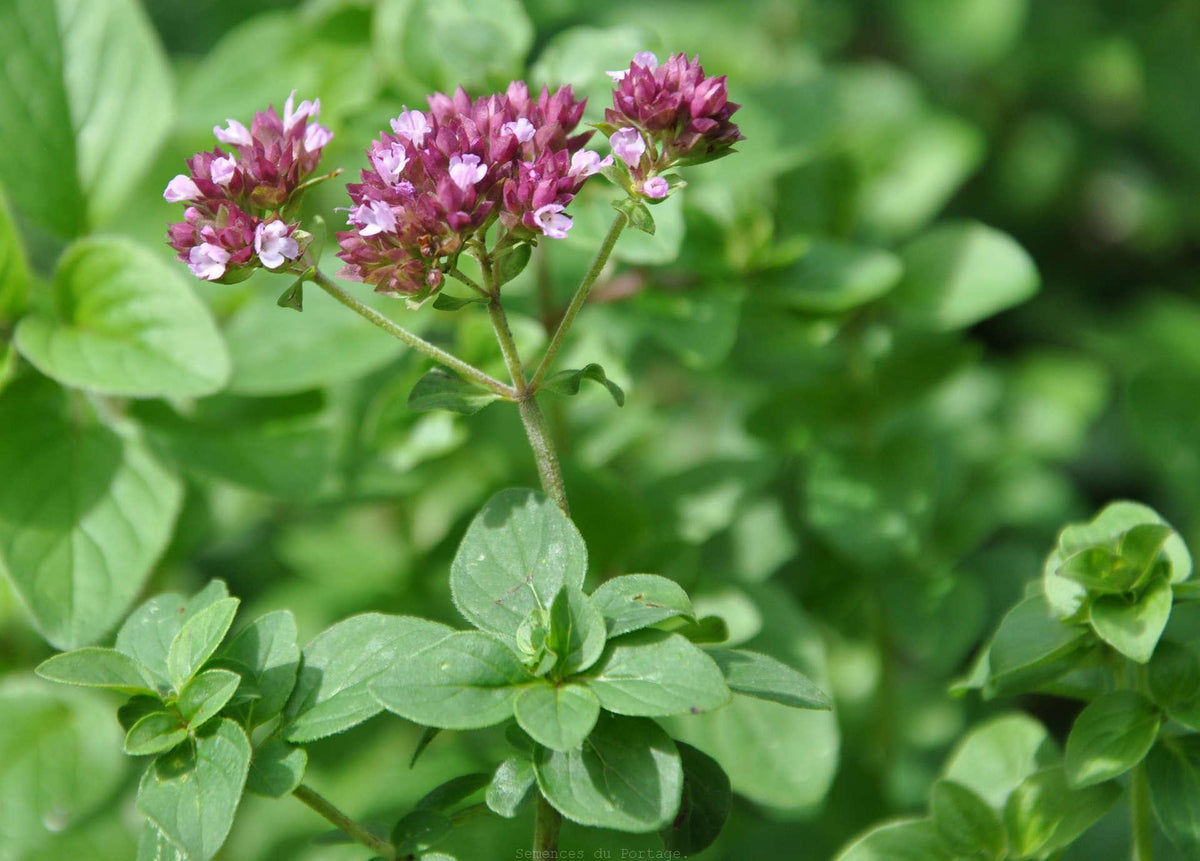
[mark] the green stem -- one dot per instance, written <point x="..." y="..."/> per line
<point x="467" y="371"/>
<point x="343" y="822"/>
<point x="581" y="294"/>
<point x="540" y="440"/>
<point x="546" y="824"/>
<point x="468" y="280"/>
<point x="1142" y="819"/>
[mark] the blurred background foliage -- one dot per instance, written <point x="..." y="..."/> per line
<point x="943" y="301"/>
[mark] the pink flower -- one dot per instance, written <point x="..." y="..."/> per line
<point x="684" y="115"/>
<point x="208" y="261"/>
<point x="181" y="188"/>
<point x="551" y="220"/>
<point x="273" y="244"/>
<point x="242" y="201"/>
<point x="656" y="188"/>
<point x="628" y="145"/>
<point x="411" y="126"/>
<point x="587" y="162"/>
<point x="373" y="218"/>
<point x="465" y="171"/>
<point x="522" y="129"/>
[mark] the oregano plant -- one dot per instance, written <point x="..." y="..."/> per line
<point x="578" y="677"/>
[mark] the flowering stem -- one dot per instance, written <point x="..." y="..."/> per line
<point x="467" y="371"/>
<point x="343" y="822"/>
<point x="536" y="430"/>
<point x="468" y="280"/>
<point x="581" y="294"/>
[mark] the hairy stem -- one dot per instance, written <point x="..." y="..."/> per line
<point x="581" y="294"/>
<point x="343" y="822"/>
<point x="546" y="823"/>
<point x="536" y="430"/>
<point x="465" y="370"/>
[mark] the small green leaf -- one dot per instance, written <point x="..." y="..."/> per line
<point x="956" y="275"/>
<point x="446" y="302"/>
<point x="155" y="733"/>
<point x="1097" y="569"/>
<point x="1133" y="629"/>
<point x="518" y="552"/>
<point x="634" y="601"/>
<point x="1031" y="646"/>
<point x="996" y="756"/>
<point x="14" y="274"/>
<point x="1109" y="737"/>
<point x="1044" y="814"/>
<point x="511" y="787"/>
<point x="466" y="680"/>
<point x="965" y="821"/>
<point x="654" y="673"/>
<point x="205" y="695"/>
<point x="707" y="630"/>
<point x="568" y="382"/>
<point x="704" y="806"/>
<point x="576" y="631"/>
<point x="833" y="278"/>
<point x="149" y="631"/>
<point x="627" y="776"/>
<point x="439" y="389"/>
<point x="137" y="708"/>
<point x="420" y="830"/>
<point x="453" y="792"/>
<point x="903" y="840"/>
<point x="292" y="297"/>
<point x="1142" y="548"/>
<point x="512" y="262"/>
<point x="198" y="639"/>
<point x="557" y="716"/>
<point x="428" y="734"/>
<point x="153" y="845"/>
<point x="267" y="657"/>
<point x="762" y="676"/>
<point x="276" y="769"/>
<point x="192" y="793"/>
<point x="1173" y="772"/>
<point x="1174" y="680"/>
<point x="637" y="212"/>
<point x="332" y="692"/>
<point x="95" y="667"/>
<point x="125" y="323"/>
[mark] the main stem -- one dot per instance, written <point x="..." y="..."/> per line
<point x="415" y="341"/>
<point x="1142" y="820"/>
<point x="343" y="822"/>
<point x="581" y="294"/>
<point x="546" y="824"/>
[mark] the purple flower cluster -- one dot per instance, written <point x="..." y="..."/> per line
<point x="239" y="204"/>
<point x="442" y="177"/>
<point x="666" y="115"/>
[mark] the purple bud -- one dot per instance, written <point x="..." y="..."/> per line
<point x="208" y="261"/>
<point x="316" y="137"/>
<point x="656" y="188"/>
<point x="181" y="188"/>
<point x="628" y="145"/>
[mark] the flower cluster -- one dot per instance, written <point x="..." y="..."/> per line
<point x="442" y="177"/>
<point x="667" y="115"/>
<point x="239" y="204"/>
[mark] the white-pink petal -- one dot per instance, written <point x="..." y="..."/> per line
<point x="207" y="261"/>
<point x="628" y="145"/>
<point x="522" y="129"/>
<point x="373" y="218"/>
<point x="316" y="137"/>
<point x="181" y="188"/>
<point x="235" y="135"/>
<point x="586" y="162"/>
<point x="389" y="161"/>
<point x="552" y="221"/>
<point x="273" y="245"/>
<point x="223" y="169"/>
<point x="466" y="170"/>
<point x="412" y="126"/>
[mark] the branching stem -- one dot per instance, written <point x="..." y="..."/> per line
<point x="342" y="822"/>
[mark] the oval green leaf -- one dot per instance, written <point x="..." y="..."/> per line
<point x="1109" y="737"/>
